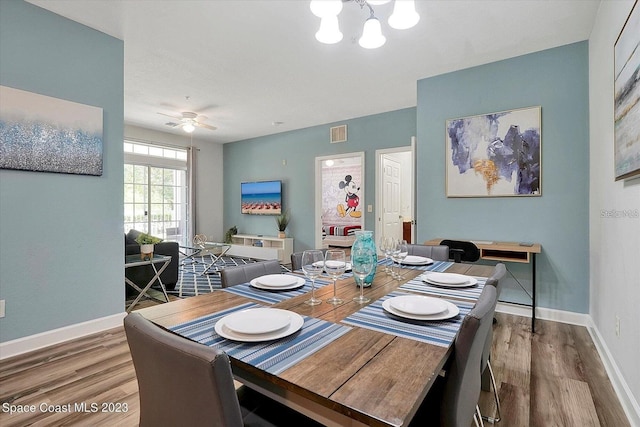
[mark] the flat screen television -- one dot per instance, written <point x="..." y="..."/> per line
<point x="261" y="198"/>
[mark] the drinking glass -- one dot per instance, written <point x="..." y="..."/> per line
<point x="335" y="265"/>
<point x="312" y="266"/>
<point x="402" y="250"/>
<point x="382" y="245"/>
<point x="363" y="262"/>
<point x="394" y="251"/>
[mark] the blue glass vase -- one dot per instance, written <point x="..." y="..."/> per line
<point x="364" y="240"/>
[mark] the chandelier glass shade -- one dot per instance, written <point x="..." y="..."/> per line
<point x="372" y="37"/>
<point x="404" y="16"/>
<point x="329" y="32"/>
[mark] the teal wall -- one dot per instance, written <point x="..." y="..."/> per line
<point x="557" y="80"/>
<point x="61" y="251"/>
<point x="261" y="159"/>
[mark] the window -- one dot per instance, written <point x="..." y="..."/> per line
<point x="156" y="190"/>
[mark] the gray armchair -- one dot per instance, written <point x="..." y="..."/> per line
<point x="496" y="280"/>
<point x="462" y="386"/>
<point x="231" y="276"/>
<point x="185" y="383"/>
<point x="435" y="252"/>
<point x="296" y="259"/>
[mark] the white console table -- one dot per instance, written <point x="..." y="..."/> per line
<point x="244" y="245"/>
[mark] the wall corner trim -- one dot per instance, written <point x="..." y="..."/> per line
<point x="56" y="336"/>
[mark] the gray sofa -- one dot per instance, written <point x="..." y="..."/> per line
<point x="142" y="274"/>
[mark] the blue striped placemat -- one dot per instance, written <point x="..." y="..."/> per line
<point x="440" y="332"/>
<point x="471" y="293"/>
<point x="271" y="356"/>
<point x="272" y="297"/>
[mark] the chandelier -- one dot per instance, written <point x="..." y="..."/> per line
<point x="404" y="16"/>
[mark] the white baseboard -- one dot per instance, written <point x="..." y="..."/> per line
<point x="542" y="313"/>
<point x="626" y="398"/>
<point x="56" y="336"/>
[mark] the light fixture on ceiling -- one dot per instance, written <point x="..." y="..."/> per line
<point x="188" y="127"/>
<point x="404" y="16"/>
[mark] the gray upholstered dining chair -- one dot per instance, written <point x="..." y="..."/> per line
<point x="435" y="252"/>
<point x="459" y="405"/>
<point x="185" y="383"/>
<point x="488" y="379"/>
<point x="231" y="276"/>
<point x="296" y="259"/>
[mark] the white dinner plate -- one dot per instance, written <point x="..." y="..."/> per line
<point x="277" y="280"/>
<point x="295" y="323"/>
<point x="451" y="311"/>
<point x="418" y="304"/>
<point x="253" y="321"/>
<point x="416" y="260"/>
<point x="330" y="262"/>
<point x="299" y="282"/>
<point x="451" y="280"/>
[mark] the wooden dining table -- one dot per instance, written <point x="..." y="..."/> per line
<point x="364" y="377"/>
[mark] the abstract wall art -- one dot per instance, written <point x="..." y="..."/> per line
<point x="627" y="98"/>
<point x="45" y="134"/>
<point x="495" y="154"/>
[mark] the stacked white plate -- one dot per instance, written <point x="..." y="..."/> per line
<point x="450" y="280"/>
<point x="416" y="260"/>
<point x="420" y="307"/>
<point x="258" y="324"/>
<point x="277" y="282"/>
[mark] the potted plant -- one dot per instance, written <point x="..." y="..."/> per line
<point x="146" y="242"/>
<point x="283" y="221"/>
<point x="228" y="237"/>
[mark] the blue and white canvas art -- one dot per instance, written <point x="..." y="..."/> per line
<point x="497" y="154"/>
<point x="627" y="98"/>
<point x="45" y="134"/>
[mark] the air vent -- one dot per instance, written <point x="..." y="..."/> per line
<point x="338" y="134"/>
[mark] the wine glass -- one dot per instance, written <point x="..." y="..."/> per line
<point x="334" y="265"/>
<point x="363" y="262"/>
<point x="394" y="251"/>
<point x="382" y="245"/>
<point x="312" y="266"/>
<point x="402" y="250"/>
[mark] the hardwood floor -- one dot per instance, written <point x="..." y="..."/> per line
<point x="553" y="378"/>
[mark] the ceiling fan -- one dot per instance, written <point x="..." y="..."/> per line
<point x="188" y="121"/>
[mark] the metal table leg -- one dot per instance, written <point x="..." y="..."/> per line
<point x="144" y="290"/>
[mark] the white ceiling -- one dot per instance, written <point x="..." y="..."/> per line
<point x="247" y="64"/>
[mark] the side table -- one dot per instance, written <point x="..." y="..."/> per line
<point x="135" y="261"/>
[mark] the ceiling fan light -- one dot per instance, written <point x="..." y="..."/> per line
<point x="329" y="32"/>
<point x="324" y="8"/>
<point x="404" y="15"/>
<point x="188" y="127"/>
<point x="372" y="37"/>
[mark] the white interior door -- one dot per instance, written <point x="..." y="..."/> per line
<point x="395" y="183"/>
<point x="391" y="184"/>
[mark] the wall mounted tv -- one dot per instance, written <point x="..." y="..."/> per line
<point x="261" y="198"/>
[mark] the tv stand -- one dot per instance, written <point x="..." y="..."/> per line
<point x="262" y="247"/>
